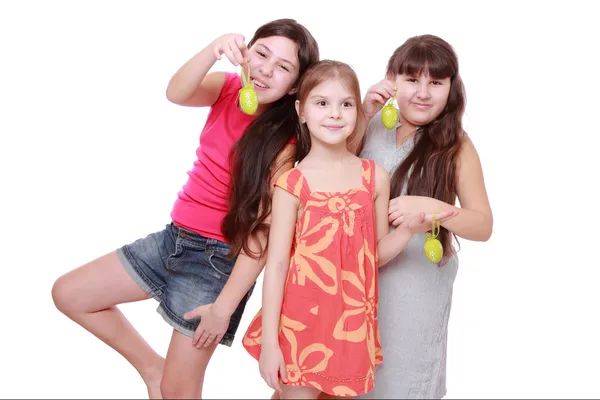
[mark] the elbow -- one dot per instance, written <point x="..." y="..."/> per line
<point x="485" y="236"/>
<point x="173" y="95"/>
<point x="486" y="231"/>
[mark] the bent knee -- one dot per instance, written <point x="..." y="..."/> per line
<point x="62" y="295"/>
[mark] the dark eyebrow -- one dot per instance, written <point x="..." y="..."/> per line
<point x="283" y="59"/>
<point x="314" y="96"/>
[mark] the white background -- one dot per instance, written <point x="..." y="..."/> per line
<point x="92" y="155"/>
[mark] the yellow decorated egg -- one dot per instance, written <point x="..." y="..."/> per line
<point x="433" y="249"/>
<point x="247" y="95"/>
<point x="389" y="116"/>
<point x="248" y="100"/>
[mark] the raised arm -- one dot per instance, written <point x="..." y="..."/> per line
<point x="192" y="85"/>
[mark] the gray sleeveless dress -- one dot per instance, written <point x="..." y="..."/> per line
<point x="414" y="301"/>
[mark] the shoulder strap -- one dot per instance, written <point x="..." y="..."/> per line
<point x="368" y="173"/>
<point x="291" y="181"/>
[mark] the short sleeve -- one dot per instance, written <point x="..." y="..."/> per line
<point x="231" y="86"/>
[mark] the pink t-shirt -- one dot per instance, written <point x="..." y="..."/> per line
<point x="202" y="203"/>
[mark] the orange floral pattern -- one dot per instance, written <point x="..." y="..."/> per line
<point x="329" y="334"/>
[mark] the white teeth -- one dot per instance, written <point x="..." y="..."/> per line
<point x="257" y="83"/>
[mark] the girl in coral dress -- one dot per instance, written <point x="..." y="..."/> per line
<point x="317" y="330"/>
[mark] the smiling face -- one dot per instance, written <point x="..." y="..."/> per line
<point x="274" y="67"/>
<point x="421" y="98"/>
<point x="329" y="112"/>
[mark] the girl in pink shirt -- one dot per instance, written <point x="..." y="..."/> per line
<point x="219" y="218"/>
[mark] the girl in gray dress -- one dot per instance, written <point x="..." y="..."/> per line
<point x="431" y="161"/>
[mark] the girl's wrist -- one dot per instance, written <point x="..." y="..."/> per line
<point x="404" y="233"/>
<point x="269" y="343"/>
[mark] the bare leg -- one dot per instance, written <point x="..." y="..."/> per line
<point x="299" y="392"/>
<point x="89" y="295"/>
<point x="184" y="368"/>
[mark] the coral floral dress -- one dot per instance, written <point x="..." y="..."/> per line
<point x="328" y="331"/>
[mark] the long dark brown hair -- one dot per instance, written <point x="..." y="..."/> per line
<point x="430" y="168"/>
<point x="323" y="71"/>
<point x="254" y="155"/>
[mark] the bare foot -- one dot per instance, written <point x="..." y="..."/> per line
<point x="152" y="380"/>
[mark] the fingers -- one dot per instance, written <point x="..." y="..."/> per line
<point x="210" y="339"/>
<point x="282" y="372"/>
<point x="376" y="98"/>
<point x="238" y="58"/>
<point x="441" y="217"/>
<point x="197" y="335"/>
<point x="417" y="223"/>
<point x="218" y="338"/>
<point x="396" y="217"/>
<point x="272" y="380"/>
<point x="228" y="51"/>
<point x="240" y="42"/>
<point x="390" y="86"/>
<point x="203" y="338"/>
<point x="191" y="314"/>
<point x="235" y="50"/>
<point x="387" y="91"/>
<point x="394" y="205"/>
<point x="275" y="381"/>
<point x="385" y="88"/>
<point x="418" y="218"/>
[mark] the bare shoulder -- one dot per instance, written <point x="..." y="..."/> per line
<point x="382" y="180"/>
<point x="467" y="147"/>
<point x="381" y="173"/>
<point x="467" y="154"/>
